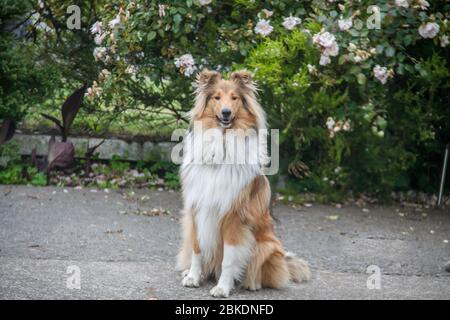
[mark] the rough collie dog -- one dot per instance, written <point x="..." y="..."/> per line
<point x="227" y="227"/>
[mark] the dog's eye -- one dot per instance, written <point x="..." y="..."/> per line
<point x="217" y="97"/>
<point x="234" y="98"/>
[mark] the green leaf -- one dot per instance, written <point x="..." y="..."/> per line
<point x="177" y="18"/>
<point x="355" y="70"/>
<point x="354" y="32"/>
<point x="407" y="40"/>
<point x="380" y="48"/>
<point x="151" y="35"/>
<point x="381" y="122"/>
<point x="390" y="51"/>
<point x="361" y="78"/>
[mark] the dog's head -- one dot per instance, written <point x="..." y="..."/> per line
<point x="227" y="103"/>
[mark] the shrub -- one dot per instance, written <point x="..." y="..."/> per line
<point x="15" y="171"/>
<point x="367" y="104"/>
<point x="23" y="81"/>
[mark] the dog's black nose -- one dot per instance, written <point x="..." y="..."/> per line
<point x="226" y="113"/>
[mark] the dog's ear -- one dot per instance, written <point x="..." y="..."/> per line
<point x="207" y="78"/>
<point x="244" y="79"/>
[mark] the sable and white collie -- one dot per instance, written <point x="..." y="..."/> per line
<point x="227" y="226"/>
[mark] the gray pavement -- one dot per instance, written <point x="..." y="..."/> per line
<point x="124" y="250"/>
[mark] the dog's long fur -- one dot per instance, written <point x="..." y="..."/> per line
<point x="227" y="227"/>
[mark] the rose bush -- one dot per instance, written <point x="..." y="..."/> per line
<point x="362" y="101"/>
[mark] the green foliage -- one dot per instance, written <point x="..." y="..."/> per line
<point x="23" y="82"/>
<point x="118" y="165"/>
<point x="37" y="178"/>
<point x="15" y="171"/>
<point x="12" y="175"/>
<point x="172" y="180"/>
<point x="354" y="134"/>
<point x="9" y="153"/>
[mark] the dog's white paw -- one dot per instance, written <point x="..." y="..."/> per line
<point x="185" y="273"/>
<point x="191" y="282"/>
<point x="220" y="292"/>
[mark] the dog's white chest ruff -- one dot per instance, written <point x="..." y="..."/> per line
<point x="210" y="190"/>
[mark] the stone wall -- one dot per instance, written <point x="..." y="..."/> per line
<point x="132" y="151"/>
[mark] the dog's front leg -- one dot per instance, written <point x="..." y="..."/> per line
<point x="192" y="278"/>
<point x="235" y="258"/>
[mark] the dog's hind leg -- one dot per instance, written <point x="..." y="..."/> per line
<point x="252" y="279"/>
<point x="269" y="263"/>
<point x="253" y="276"/>
<point x="275" y="272"/>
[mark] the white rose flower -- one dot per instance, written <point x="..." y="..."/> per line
<point x="267" y="13"/>
<point x="103" y="75"/>
<point x="99" y="53"/>
<point x="345" y="24"/>
<point x="330" y="123"/>
<point x="99" y="38"/>
<point x="186" y="64"/>
<point x="311" y="69"/>
<point x="324" y="39"/>
<point x="444" y="41"/>
<point x="351" y="47"/>
<point x="338" y="126"/>
<point x="347" y="126"/>
<point x="131" y="69"/>
<point x="402" y="3"/>
<point x="429" y="30"/>
<point x="290" y="22"/>
<point x="96" y="27"/>
<point x="381" y="73"/>
<point x="263" y="27"/>
<point x="328" y="45"/>
<point x="333" y="50"/>
<point x="324" y="60"/>
<point x="424" y="4"/>
<point x="162" y="10"/>
<point x="114" y="22"/>
<point x="94" y="91"/>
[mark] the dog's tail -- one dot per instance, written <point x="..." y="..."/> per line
<point x="298" y="268"/>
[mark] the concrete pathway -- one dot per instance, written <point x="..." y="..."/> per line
<point x="125" y="250"/>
